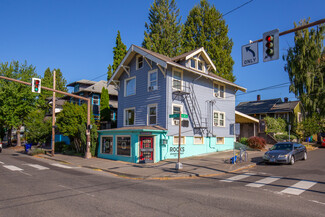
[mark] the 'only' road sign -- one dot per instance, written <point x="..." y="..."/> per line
<point x="249" y="54"/>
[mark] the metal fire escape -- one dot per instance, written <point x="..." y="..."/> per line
<point x="187" y="93"/>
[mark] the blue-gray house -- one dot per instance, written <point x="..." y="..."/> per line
<point x="152" y="86"/>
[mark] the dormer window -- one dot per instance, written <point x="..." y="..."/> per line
<point x="197" y="64"/>
<point x="139" y="62"/>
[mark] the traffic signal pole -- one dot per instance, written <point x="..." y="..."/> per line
<point x="87" y="154"/>
<point x="296" y="29"/>
<point x="53" y="115"/>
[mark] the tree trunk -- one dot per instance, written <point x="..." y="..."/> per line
<point x="18" y="136"/>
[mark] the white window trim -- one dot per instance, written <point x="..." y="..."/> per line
<point x="197" y="60"/>
<point x="149" y="73"/>
<point x="148" y="113"/>
<point x="182" y="143"/>
<point x="173" y="71"/>
<point x="135" y="86"/>
<point x="224" y="118"/>
<point x="101" y="145"/>
<point x="177" y="105"/>
<point x="116" y="145"/>
<point x="124" y="116"/>
<point x="223" y="140"/>
<point x="198" y="143"/>
<point x="137" y="62"/>
<point x="224" y="92"/>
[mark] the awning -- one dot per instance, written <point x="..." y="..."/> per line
<point x="242" y="118"/>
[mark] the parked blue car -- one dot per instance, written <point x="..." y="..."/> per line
<point x="286" y="153"/>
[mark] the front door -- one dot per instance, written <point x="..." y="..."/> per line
<point x="146" y="149"/>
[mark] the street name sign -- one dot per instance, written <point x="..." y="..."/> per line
<point x="174" y="116"/>
<point x="249" y="54"/>
<point x="184" y="116"/>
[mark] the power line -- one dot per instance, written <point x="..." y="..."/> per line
<point x="237" y="8"/>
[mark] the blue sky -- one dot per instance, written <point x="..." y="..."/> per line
<point x="78" y="36"/>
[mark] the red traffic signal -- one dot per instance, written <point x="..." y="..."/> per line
<point x="269" y="45"/>
<point x="36" y="85"/>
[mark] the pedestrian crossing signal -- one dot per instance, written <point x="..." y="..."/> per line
<point x="36" y="85"/>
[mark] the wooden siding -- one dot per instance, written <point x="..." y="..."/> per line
<point x="143" y="97"/>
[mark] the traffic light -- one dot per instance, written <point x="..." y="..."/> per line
<point x="271" y="45"/>
<point x="36" y="85"/>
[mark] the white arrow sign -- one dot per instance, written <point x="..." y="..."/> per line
<point x="249" y="54"/>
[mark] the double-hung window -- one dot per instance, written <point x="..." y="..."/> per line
<point x="218" y="119"/>
<point x="129" y="116"/>
<point x="177" y="109"/>
<point x="153" y="80"/>
<point x="219" y="90"/>
<point x="130" y="86"/>
<point x="139" y="62"/>
<point x="177" y="79"/>
<point x="152" y="114"/>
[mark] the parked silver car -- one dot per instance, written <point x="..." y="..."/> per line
<point x="285" y="152"/>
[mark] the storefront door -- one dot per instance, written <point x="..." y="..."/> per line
<point x="146" y="149"/>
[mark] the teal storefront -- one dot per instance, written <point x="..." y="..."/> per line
<point x="150" y="144"/>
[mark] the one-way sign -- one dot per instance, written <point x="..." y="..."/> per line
<point x="249" y="54"/>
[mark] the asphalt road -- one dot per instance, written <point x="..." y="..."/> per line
<point x="38" y="187"/>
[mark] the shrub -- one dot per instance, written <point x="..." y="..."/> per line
<point x="243" y="141"/>
<point x="36" y="151"/>
<point x="59" y="146"/>
<point x="285" y="136"/>
<point x="256" y="142"/>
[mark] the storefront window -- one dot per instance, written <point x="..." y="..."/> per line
<point x="107" y="145"/>
<point x="123" y="145"/>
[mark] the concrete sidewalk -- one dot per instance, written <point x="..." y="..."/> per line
<point x="199" y="166"/>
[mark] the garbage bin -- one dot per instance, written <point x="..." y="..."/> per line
<point x="28" y="146"/>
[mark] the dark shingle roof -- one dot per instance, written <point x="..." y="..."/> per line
<point x="83" y="81"/>
<point x="284" y="107"/>
<point x="257" y="107"/>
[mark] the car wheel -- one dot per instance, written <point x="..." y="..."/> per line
<point x="305" y="156"/>
<point x="292" y="160"/>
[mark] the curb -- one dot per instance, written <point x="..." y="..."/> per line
<point x="135" y="177"/>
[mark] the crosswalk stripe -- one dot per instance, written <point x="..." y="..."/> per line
<point x="12" y="168"/>
<point x="263" y="182"/>
<point x="238" y="177"/>
<point x="39" y="167"/>
<point x="1" y="162"/>
<point x="299" y="187"/>
<point x="62" y="166"/>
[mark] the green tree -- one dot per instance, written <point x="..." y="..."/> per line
<point x="105" y="114"/>
<point x="47" y="81"/>
<point x="38" y="130"/>
<point x="305" y="64"/>
<point x="119" y="51"/>
<point x="275" y="125"/>
<point x="310" y="126"/>
<point x="163" y="33"/>
<point x="72" y="122"/>
<point x="206" y="28"/>
<point x="16" y="100"/>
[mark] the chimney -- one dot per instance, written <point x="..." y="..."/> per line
<point x="286" y="99"/>
<point x="258" y="97"/>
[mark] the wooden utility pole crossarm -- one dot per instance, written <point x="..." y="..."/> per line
<point x="87" y="154"/>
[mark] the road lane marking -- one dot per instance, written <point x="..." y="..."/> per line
<point x="81" y="192"/>
<point x="263" y="182"/>
<point x="62" y="166"/>
<point x="1" y="162"/>
<point x="238" y="177"/>
<point x="299" y="187"/>
<point x="12" y="168"/>
<point x="39" y="167"/>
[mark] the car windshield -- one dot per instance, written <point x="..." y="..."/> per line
<point x="282" y="147"/>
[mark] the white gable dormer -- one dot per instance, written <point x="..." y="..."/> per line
<point x="200" y="60"/>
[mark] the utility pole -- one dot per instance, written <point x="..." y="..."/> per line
<point x="179" y="165"/>
<point x="87" y="154"/>
<point x="53" y="115"/>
